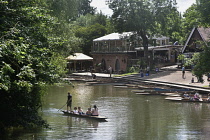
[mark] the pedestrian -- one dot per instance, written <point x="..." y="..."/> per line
<point x="183" y="72"/>
<point x="110" y="71"/>
<point x="69" y="101"/>
<point x="148" y="69"/>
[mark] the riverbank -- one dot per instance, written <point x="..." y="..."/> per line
<point x="170" y="74"/>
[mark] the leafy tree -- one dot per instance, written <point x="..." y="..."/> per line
<point x="204" y="9"/>
<point x="30" y="58"/>
<point x="199" y="60"/>
<point x="63" y="9"/>
<point x="90" y="27"/>
<point x="191" y="19"/>
<point x="88" y="20"/>
<point x="88" y="34"/>
<point x="85" y="8"/>
<point x="141" y="16"/>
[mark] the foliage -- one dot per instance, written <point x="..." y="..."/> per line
<point x="88" y="34"/>
<point x="90" y="27"/>
<point x="30" y="58"/>
<point x="191" y="19"/>
<point x="204" y="9"/>
<point x="198" y="63"/>
<point x="85" y="8"/>
<point x="201" y="67"/>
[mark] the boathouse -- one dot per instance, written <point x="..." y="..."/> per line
<point x="123" y="50"/>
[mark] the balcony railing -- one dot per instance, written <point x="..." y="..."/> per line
<point x="107" y="49"/>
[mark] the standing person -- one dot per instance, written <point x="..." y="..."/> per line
<point x="148" y="68"/>
<point x="69" y="101"/>
<point x="183" y="72"/>
<point x="110" y="71"/>
<point x="94" y="111"/>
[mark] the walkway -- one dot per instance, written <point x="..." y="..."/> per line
<point x="168" y="76"/>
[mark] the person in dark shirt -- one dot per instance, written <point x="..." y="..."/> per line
<point x="69" y="101"/>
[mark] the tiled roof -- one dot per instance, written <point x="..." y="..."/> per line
<point x="205" y="33"/>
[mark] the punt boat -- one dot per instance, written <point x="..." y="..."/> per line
<point x="180" y="99"/>
<point x="99" y="118"/>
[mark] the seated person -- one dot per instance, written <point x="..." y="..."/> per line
<point x="94" y="111"/>
<point x="196" y="97"/>
<point x="75" y="110"/>
<point x="89" y="112"/>
<point x="80" y="111"/>
<point x="186" y="96"/>
<point x="208" y="99"/>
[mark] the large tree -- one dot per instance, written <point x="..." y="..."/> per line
<point x="30" y="58"/>
<point x="143" y="17"/>
<point x="204" y="9"/>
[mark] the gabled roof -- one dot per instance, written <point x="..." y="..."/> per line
<point x="79" y="57"/>
<point x="204" y="33"/>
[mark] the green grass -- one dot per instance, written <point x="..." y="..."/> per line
<point x="125" y="74"/>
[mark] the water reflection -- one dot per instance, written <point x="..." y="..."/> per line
<point x="84" y="122"/>
<point x="130" y="116"/>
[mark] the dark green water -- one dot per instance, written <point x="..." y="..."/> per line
<point x="130" y="116"/>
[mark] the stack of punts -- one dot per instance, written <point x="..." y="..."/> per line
<point x="158" y="91"/>
<point x="99" y="118"/>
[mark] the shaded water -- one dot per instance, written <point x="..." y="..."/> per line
<point x="130" y="116"/>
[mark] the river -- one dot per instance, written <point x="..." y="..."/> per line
<point x="130" y="116"/>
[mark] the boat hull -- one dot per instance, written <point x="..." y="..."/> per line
<point x="99" y="118"/>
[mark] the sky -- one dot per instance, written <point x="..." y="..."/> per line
<point x="100" y="4"/>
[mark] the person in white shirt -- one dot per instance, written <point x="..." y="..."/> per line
<point x="75" y="111"/>
<point x="95" y="111"/>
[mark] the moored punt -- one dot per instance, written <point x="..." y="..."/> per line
<point x="99" y="118"/>
<point x="160" y="90"/>
<point x="171" y="94"/>
<point x="144" y="93"/>
<point x="180" y="99"/>
<point x="124" y="86"/>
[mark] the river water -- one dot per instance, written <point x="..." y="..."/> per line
<point x="130" y="116"/>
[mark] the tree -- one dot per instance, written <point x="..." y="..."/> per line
<point x="88" y="34"/>
<point x="30" y="58"/>
<point x="191" y="19"/>
<point x="143" y="17"/>
<point x="204" y="9"/>
<point x="63" y="9"/>
<point x="199" y="60"/>
<point x="85" y="8"/>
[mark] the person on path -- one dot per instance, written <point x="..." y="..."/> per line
<point x="110" y="71"/>
<point x="148" y="69"/>
<point x="183" y="72"/>
<point x="69" y="101"/>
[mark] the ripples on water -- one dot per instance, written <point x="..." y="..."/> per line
<point x="130" y="116"/>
